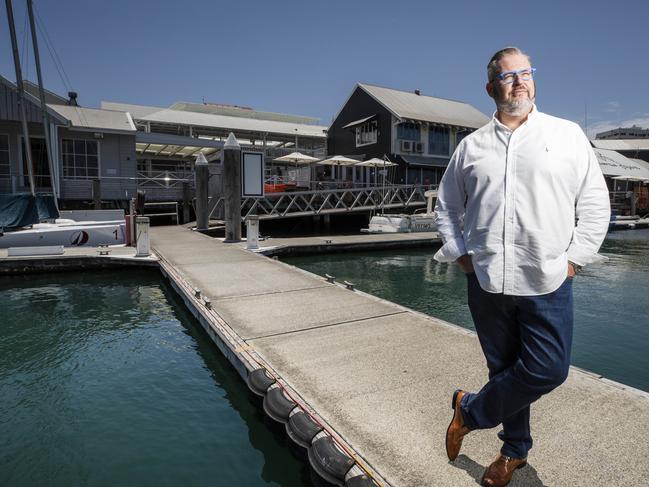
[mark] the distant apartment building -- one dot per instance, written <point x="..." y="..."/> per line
<point x="633" y="132"/>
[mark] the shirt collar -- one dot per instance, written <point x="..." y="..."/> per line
<point x="530" y="118"/>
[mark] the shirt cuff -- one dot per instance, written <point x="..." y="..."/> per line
<point x="583" y="257"/>
<point x="451" y="251"/>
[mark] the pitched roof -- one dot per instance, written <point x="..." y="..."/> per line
<point x="181" y="117"/>
<point x="243" y="112"/>
<point x="621" y="144"/>
<point x="410" y="106"/>
<point x="615" y="164"/>
<point x="95" y="119"/>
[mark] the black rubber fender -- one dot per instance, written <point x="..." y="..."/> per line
<point x="328" y="461"/>
<point x="301" y="429"/>
<point x="259" y="381"/>
<point x="360" y="481"/>
<point x="277" y="406"/>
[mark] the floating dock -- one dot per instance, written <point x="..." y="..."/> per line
<point x="379" y="377"/>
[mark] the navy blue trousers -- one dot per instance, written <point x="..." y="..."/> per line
<point x="526" y="341"/>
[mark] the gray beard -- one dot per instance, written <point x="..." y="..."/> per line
<point x="516" y="108"/>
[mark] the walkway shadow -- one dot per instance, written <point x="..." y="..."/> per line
<point x="525" y="477"/>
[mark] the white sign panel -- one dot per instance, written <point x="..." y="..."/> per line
<point x="252" y="175"/>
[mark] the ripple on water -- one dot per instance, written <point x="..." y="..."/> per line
<point x="103" y="381"/>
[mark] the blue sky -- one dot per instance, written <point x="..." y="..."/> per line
<point x="304" y="57"/>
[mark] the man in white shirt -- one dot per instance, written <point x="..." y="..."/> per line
<point x="506" y="211"/>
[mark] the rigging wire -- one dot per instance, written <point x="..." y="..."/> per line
<point x="55" y="56"/>
<point x="40" y="25"/>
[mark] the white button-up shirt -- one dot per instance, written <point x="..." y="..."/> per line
<point x="519" y="194"/>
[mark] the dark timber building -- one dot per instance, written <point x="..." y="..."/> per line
<point x="416" y="131"/>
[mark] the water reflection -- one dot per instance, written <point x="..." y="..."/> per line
<point x="105" y="379"/>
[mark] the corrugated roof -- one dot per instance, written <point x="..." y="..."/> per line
<point x="406" y="105"/>
<point x="136" y="111"/>
<point x="165" y="115"/>
<point x="615" y="164"/>
<point x="640" y="162"/>
<point x="244" y="112"/>
<point x="95" y="118"/>
<point x="621" y="144"/>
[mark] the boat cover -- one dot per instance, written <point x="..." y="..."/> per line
<point x="22" y="210"/>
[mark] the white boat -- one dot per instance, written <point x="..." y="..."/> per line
<point x="70" y="233"/>
<point x="403" y="223"/>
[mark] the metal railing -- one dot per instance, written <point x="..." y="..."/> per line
<point x="329" y="201"/>
<point x="164" y="179"/>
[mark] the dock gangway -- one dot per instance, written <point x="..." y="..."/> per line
<point x="328" y="201"/>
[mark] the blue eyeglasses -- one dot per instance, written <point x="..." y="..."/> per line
<point x="523" y="74"/>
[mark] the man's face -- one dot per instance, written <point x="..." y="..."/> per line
<point x="515" y="98"/>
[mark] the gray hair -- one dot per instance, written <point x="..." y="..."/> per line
<point x="492" y="67"/>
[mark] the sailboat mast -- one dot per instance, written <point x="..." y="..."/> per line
<point x="21" y="94"/>
<point x="41" y="93"/>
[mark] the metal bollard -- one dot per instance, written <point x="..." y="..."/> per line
<point x="142" y="232"/>
<point x="252" y="232"/>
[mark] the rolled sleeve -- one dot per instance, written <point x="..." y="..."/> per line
<point x="450" y="251"/>
<point x="449" y="210"/>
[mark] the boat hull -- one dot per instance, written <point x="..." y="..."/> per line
<point x="88" y="234"/>
<point x="424" y="222"/>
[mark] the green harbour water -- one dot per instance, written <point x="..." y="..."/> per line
<point x="106" y="379"/>
<point x="611" y="335"/>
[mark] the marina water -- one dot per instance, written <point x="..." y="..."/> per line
<point x="611" y="334"/>
<point x="106" y="379"/>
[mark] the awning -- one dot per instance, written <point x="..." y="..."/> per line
<point x="177" y="147"/>
<point x="615" y="164"/>
<point x="358" y="122"/>
<point x="426" y="161"/>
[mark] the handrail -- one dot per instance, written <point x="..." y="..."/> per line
<point x="328" y="201"/>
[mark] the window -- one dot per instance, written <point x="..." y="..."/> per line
<point x="80" y="159"/>
<point x="408" y="131"/>
<point x="461" y="133"/>
<point x="5" y="167"/>
<point x="438" y="140"/>
<point x="40" y="164"/>
<point x="367" y="133"/>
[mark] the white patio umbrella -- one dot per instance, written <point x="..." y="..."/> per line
<point x="382" y="163"/>
<point x="376" y="162"/>
<point x="296" y="158"/>
<point x="339" y="161"/>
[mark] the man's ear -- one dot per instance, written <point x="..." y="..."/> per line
<point x="490" y="89"/>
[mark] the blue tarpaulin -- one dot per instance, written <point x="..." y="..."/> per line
<point x="46" y="207"/>
<point x="22" y="210"/>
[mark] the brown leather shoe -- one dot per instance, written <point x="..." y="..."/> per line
<point x="500" y="472"/>
<point x="456" y="430"/>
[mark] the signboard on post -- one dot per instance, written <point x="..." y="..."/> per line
<point x="252" y="174"/>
